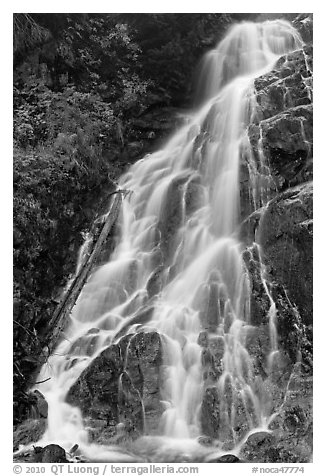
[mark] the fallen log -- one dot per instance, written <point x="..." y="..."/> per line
<point x="64" y="308"/>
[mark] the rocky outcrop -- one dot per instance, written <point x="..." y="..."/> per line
<point x="282" y="133"/>
<point x="282" y="261"/>
<point x="286" y="238"/>
<point x="51" y="454"/>
<point x="121" y="386"/>
<point x="304" y="24"/>
<point x="282" y="129"/>
<point x="290" y="437"/>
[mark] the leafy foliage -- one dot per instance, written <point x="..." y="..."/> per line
<point x="171" y="45"/>
<point x="27" y="32"/>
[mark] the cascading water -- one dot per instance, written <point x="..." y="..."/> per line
<point x="178" y="233"/>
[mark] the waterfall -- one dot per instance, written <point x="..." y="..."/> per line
<point x="178" y="255"/>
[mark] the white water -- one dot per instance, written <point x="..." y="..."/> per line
<point x="181" y="220"/>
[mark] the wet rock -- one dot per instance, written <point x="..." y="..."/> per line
<point x="282" y="128"/>
<point x="51" y="454"/>
<point x="172" y="214"/>
<point x="229" y="458"/>
<point x="259" y="300"/>
<point x="290" y="451"/>
<point x="155" y="282"/>
<point x="212" y="317"/>
<point x="143" y="366"/>
<point x="212" y="356"/>
<point x="210" y="413"/>
<point x="288" y="86"/>
<point x="286" y="142"/>
<point x="292" y="330"/>
<point x="209" y="122"/>
<point x="257" y="342"/>
<point x="281" y="365"/>
<point x="205" y="440"/>
<point x="249" y="226"/>
<point x="285" y="264"/>
<point x="203" y="339"/>
<point x="141" y="317"/>
<point x="286" y="237"/>
<point x="304" y="24"/>
<point x="277" y="449"/>
<point x="292" y="425"/>
<point x="246" y="199"/>
<point x="217" y="347"/>
<point x="121" y="385"/>
<point x="294" y="420"/>
<point x="38" y="405"/>
<point x="259" y="448"/>
<point x="96" y="390"/>
<point x="130" y="409"/>
<point x="243" y="407"/>
<point x="193" y="195"/>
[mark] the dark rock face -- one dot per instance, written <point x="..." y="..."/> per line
<point x="286" y="238"/>
<point x="286" y="140"/>
<point x="228" y="458"/>
<point x="290" y="439"/>
<point x="51" y="454"/>
<point x="282" y="133"/>
<point x="283" y="124"/>
<point x="288" y="85"/>
<point x="39" y="408"/>
<point x="211" y="412"/>
<point x="258" y="447"/>
<point x="304" y="24"/>
<point x="122" y="386"/>
<point x="292" y="426"/>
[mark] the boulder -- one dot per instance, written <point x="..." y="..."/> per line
<point x="258" y="447"/>
<point x="229" y="458"/>
<point x="51" y="454"/>
<point x="41" y="405"/>
<point x="121" y="386"/>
